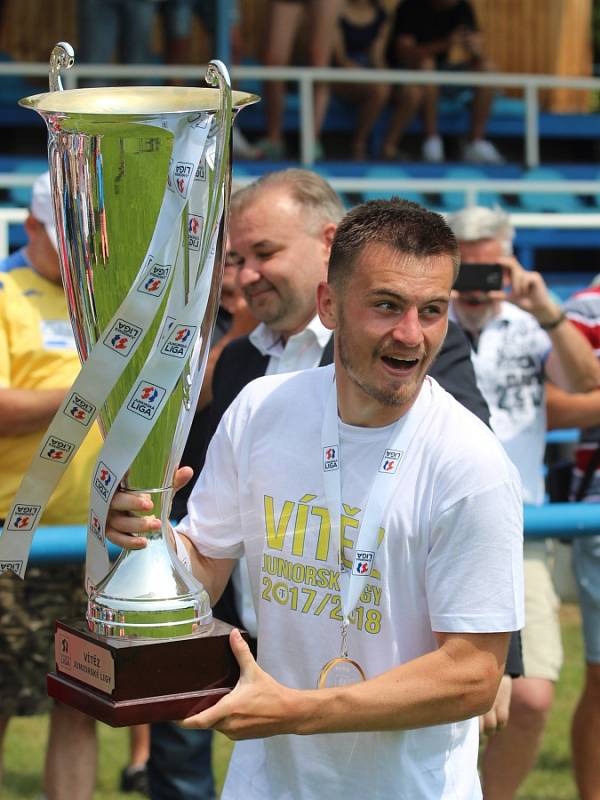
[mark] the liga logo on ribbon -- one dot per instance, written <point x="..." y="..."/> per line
<point x="200" y="171"/>
<point x="363" y="562"/>
<point x="79" y="409"/>
<point x="155" y="280"/>
<point x="104" y="480"/>
<point x="390" y="461"/>
<point x="122" y="337"/>
<point x="96" y="527"/>
<point x="15" y="566"/>
<point x="183" y="173"/>
<point x="195" y="225"/>
<point x="179" y="341"/>
<point x="23" y="518"/>
<point x="57" y="450"/>
<point x="330" y="458"/>
<point x="146" y="399"/>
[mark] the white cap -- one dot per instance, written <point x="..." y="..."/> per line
<point x="41" y="206"/>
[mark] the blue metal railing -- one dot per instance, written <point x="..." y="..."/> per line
<point x="66" y="544"/>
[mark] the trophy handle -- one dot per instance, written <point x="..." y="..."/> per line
<point x="61" y="57"/>
<point x="217" y="75"/>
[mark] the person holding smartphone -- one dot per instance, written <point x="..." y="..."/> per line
<point x="519" y="337"/>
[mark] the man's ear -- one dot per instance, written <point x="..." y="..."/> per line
<point x="328" y="234"/>
<point x="327" y="305"/>
<point x="31" y="225"/>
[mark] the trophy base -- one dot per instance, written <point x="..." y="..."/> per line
<point x="130" y="682"/>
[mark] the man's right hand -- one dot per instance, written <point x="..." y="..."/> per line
<point x="129" y="515"/>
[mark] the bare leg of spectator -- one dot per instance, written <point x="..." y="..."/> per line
<point x="511" y="753"/>
<point x="324" y="14"/>
<point x="283" y="25"/>
<point x="3" y="726"/>
<point x="482" y="103"/>
<point x="585" y="737"/>
<point x="70" y="769"/>
<point x="406" y="102"/>
<point x="370" y="98"/>
<point x="433" y="148"/>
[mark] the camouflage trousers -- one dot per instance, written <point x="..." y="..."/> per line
<point x="28" y="610"/>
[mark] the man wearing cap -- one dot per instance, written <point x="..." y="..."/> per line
<point x="38" y="362"/>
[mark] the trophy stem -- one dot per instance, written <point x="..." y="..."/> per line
<point x="148" y="594"/>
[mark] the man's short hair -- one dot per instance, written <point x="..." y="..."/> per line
<point x="476" y="223"/>
<point x="399" y="224"/>
<point x="309" y="190"/>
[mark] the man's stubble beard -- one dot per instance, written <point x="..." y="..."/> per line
<point x="390" y="398"/>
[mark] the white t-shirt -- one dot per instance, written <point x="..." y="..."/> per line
<point x="509" y="367"/>
<point x="450" y="561"/>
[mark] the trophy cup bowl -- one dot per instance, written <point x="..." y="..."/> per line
<point x="149" y="649"/>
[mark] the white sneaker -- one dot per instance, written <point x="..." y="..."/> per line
<point x="480" y="151"/>
<point x="433" y="150"/>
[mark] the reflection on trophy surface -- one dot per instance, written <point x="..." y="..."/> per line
<point x="140" y="178"/>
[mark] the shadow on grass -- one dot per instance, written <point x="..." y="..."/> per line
<point x="19" y="784"/>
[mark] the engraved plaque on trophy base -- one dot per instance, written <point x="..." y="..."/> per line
<point x="129" y="682"/>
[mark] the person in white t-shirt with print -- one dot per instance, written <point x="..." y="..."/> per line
<point x="515" y="346"/>
<point x="382" y="524"/>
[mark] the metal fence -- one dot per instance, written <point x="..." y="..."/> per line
<point x="306" y="77"/>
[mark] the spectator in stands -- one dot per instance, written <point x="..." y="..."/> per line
<point x="38" y="362"/>
<point x="285" y="17"/>
<point x="178" y="17"/>
<point x="438" y="35"/>
<point x="121" y="28"/>
<point x="583" y="309"/>
<point x="520" y="336"/>
<point x="360" y="41"/>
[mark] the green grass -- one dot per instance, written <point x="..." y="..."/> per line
<point x="552" y="778"/>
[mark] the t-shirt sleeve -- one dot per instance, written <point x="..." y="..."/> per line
<point x="213" y="519"/>
<point x="474" y="571"/>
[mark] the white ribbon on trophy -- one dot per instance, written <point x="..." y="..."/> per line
<point x="109" y="357"/>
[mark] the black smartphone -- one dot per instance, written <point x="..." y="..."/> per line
<point x="479" y="277"/>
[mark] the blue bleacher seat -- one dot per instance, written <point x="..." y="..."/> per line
<point x="549" y="201"/>
<point x="455" y="200"/>
<point x="390" y="171"/>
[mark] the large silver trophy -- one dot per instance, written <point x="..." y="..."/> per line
<point x="140" y="179"/>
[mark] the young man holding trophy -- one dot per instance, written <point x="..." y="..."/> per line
<point x="382" y="524"/>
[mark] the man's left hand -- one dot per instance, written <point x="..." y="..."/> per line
<point x="258" y="706"/>
<point x="528" y="290"/>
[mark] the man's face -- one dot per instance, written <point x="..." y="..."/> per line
<point x="475" y="309"/>
<point x="390" y="320"/>
<point x="281" y="259"/>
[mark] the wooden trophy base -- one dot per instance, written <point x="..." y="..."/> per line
<point x="130" y="682"/>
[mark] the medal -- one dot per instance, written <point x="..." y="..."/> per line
<point x="343" y="670"/>
<point x="340" y="671"/>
